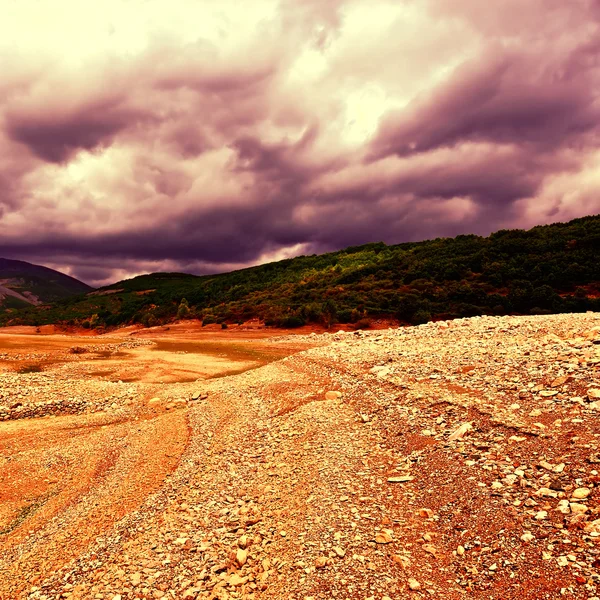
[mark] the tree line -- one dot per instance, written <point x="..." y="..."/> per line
<point x="547" y="269"/>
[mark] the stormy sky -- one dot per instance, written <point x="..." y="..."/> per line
<point x="203" y="136"/>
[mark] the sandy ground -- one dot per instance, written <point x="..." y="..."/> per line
<point x="178" y="353"/>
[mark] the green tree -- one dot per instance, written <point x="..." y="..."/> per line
<point x="329" y="314"/>
<point x="184" y="310"/>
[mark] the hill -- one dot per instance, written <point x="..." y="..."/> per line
<point x="23" y="284"/>
<point x="548" y="269"/>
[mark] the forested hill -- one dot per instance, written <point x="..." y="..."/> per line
<point x="23" y="284"/>
<point x="552" y="268"/>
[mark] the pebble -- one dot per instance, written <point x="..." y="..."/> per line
<point x="581" y="493"/>
<point x="494" y="396"/>
<point x="383" y="537"/>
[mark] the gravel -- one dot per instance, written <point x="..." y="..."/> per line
<point x="451" y="460"/>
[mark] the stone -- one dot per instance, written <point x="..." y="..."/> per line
<point x="241" y="556"/>
<point x="383" y="537"/>
<point x="578" y="509"/>
<point x="257" y="462"/>
<point x="237" y="580"/>
<point x="333" y="395"/>
<point x="460" y="432"/>
<point x="413" y="584"/>
<point x="593" y="527"/>
<point x="581" y="493"/>
<point x="403" y="561"/>
<point x="593" y="393"/>
<point x="562" y="561"/>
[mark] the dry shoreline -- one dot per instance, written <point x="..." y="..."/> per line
<point x="457" y="459"/>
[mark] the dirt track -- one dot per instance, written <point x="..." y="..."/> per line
<point x="450" y="460"/>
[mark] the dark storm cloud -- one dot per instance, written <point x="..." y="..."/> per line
<point x="55" y="136"/>
<point x="502" y="98"/>
<point x="205" y="140"/>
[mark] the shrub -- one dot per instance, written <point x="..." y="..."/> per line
<point x="292" y="322"/>
<point x="420" y="317"/>
<point x="356" y="315"/>
<point x="345" y="315"/>
<point x="311" y="313"/>
<point x="149" y="320"/>
<point x="78" y="350"/>
<point x="184" y="310"/>
<point x="363" y="324"/>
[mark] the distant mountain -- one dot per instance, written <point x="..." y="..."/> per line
<point x="23" y="284"/>
<point x="548" y="269"/>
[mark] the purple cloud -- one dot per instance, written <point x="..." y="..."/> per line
<point x="205" y="140"/>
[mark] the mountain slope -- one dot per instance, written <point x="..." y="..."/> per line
<point x="552" y="268"/>
<point x="23" y="284"/>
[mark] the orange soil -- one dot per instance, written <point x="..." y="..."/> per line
<point x="73" y="474"/>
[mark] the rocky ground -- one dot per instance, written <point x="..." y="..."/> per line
<point x="451" y="460"/>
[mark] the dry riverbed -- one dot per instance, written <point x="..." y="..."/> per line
<point x="452" y="460"/>
<point x="90" y="426"/>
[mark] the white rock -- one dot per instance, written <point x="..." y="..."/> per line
<point x="241" y="556"/>
<point x="578" y="509"/>
<point x="581" y="493"/>
<point x="461" y="432"/>
<point x="413" y="584"/>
